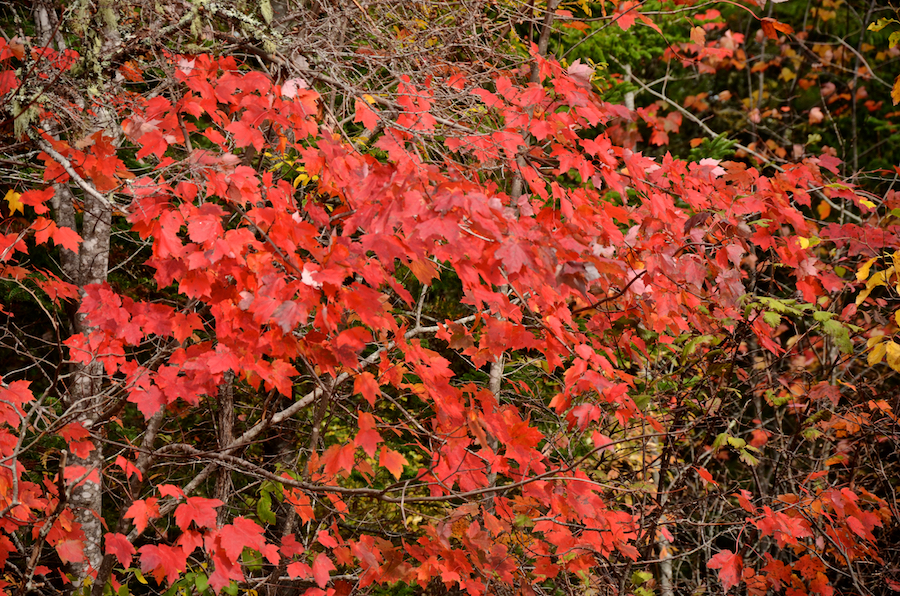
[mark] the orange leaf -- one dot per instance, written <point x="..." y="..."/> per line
<point x="393" y="461"/>
<point x="771" y="27"/>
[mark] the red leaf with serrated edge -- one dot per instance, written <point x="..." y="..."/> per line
<point x="393" y="461"/>
<point x="366" y="115"/>
<point x="148" y="401"/>
<point x="141" y="512"/>
<point x="338" y="458"/>
<point x="321" y="569"/>
<point x="199" y="510"/>
<point x="170" y="490"/>
<point x="240" y="534"/>
<point x="704" y="473"/>
<point x="78" y="439"/>
<point x="43" y="229"/>
<point x="730" y="566"/>
<point x="70" y="551"/>
<point x="744" y="501"/>
<point x="366" y="385"/>
<point x="326" y="540"/>
<point x="367" y="438"/>
<point x="67" y="238"/>
<point x="163" y="561"/>
<point x="299" y="570"/>
<point x="626" y="14"/>
<point x="6" y="547"/>
<point x="245" y="135"/>
<point x="118" y="546"/>
<point x="290" y="546"/>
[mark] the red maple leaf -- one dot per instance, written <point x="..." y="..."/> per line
<point x="730" y="566"/>
<point x="142" y="512"/>
<point x="321" y="569"/>
<point x="366" y="385"/>
<point x="240" y="534"/>
<point x="163" y="561"/>
<point x="339" y="458"/>
<point x="199" y="510"/>
<point x="366" y="115"/>
<point x="393" y="461"/>
<point x="70" y="551"/>
<point x="245" y="134"/>
<point x="118" y="546"/>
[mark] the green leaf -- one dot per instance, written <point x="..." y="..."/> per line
<point x="639" y="577"/>
<point x="201" y="582"/>
<point x="264" y="509"/>
<point x="772" y="319"/>
<point x="840" y="335"/>
<point x="736" y="442"/>
<point x="720" y="440"/>
<point x="747" y="458"/>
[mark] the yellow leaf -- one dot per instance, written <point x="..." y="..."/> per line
<point x="863" y="272"/>
<point x="804" y="242"/>
<point x="897" y="317"/>
<point x="877" y="354"/>
<point x="895" y="92"/>
<point x="880" y="278"/>
<point x="875" y="339"/>
<point x="862" y="296"/>
<point x="868" y="204"/>
<point x="12" y="199"/>
<point x="369" y="98"/>
<point x="698" y="36"/>
<point x="893" y="355"/>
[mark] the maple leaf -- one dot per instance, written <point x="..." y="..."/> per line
<point x="895" y="91"/>
<point x="339" y="458"/>
<point x="321" y="569"/>
<point x="290" y="546"/>
<point x="6" y="547"/>
<point x="367" y="438"/>
<point x="148" y="400"/>
<point x="199" y="510"/>
<point x="581" y="73"/>
<point x="70" y="551"/>
<point x="13" y="202"/>
<point x="119" y="546"/>
<point x="730" y="566"/>
<point x="246" y="134"/>
<point x="366" y="385"/>
<point x="163" y="561"/>
<point x="78" y="439"/>
<point x="366" y="115"/>
<point x="142" y="512"/>
<point x="242" y="533"/>
<point x="393" y="461"/>
<point x="771" y="27"/>
<point x="626" y="15"/>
